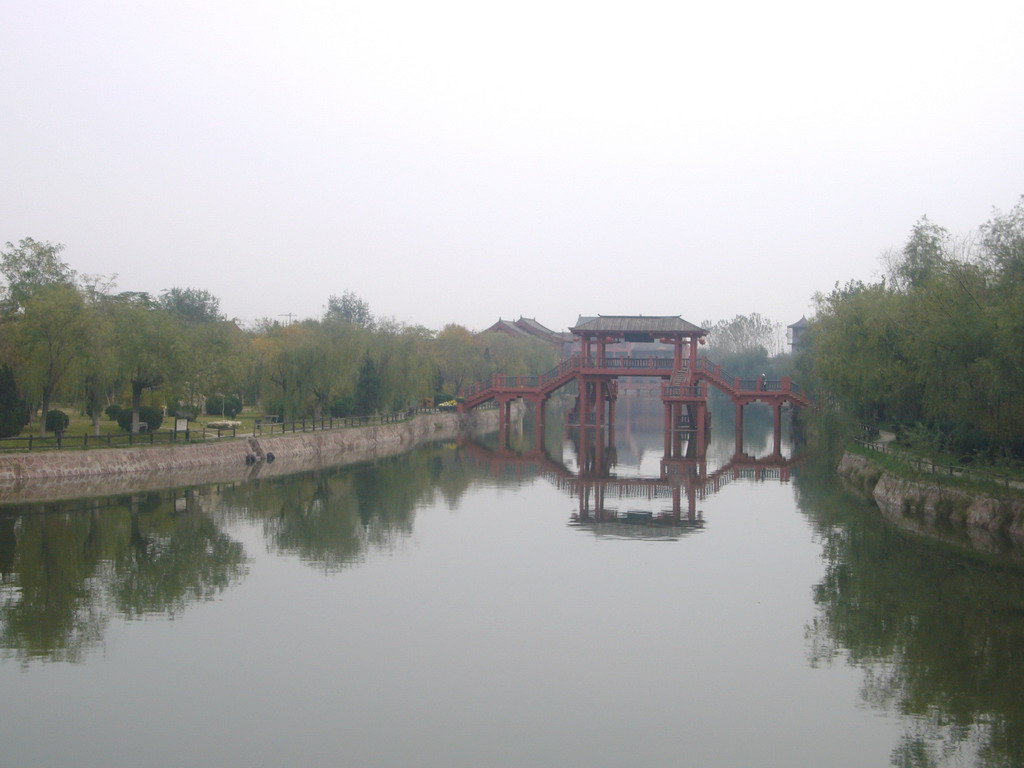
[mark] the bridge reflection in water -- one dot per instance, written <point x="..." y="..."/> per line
<point x="614" y="502"/>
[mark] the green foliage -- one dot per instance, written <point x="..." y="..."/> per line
<point x="923" y="255"/>
<point x="13" y="413"/>
<point x="76" y="572"/>
<point x="29" y="266"/>
<point x="153" y="418"/>
<point x="343" y="406"/>
<point x="191" y="305"/>
<point x="349" y="309"/>
<point x="743" y="333"/>
<point x="228" y="406"/>
<point x="113" y="411"/>
<point x="57" y="421"/>
<point x="51" y="332"/>
<point x="937" y="347"/>
<point x="369" y="388"/>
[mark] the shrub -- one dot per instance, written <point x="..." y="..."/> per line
<point x="113" y="411"/>
<point x="227" y="405"/>
<point x="57" y="421"/>
<point x="153" y="417"/>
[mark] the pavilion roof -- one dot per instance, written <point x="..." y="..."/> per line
<point x="671" y="325"/>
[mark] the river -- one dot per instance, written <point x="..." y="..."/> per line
<point x="462" y="605"/>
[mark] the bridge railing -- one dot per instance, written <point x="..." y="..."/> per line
<point x="785" y="384"/>
<point x="514" y="382"/>
<point x="629" y="363"/>
<point x="576" y="363"/>
<point x="568" y="365"/>
<point x="681" y="390"/>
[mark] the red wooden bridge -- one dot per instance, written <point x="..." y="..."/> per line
<point x="684" y="389"/>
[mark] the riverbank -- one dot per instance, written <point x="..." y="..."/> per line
<point x="55" y="475"/>
<point x="981" y="521"/>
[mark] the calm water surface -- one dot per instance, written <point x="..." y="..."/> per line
<point x="458" y="606"/>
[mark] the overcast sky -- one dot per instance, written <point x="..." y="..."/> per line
<point x="461" y="161"/>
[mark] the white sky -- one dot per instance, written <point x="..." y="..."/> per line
<point x="461" y="161"/>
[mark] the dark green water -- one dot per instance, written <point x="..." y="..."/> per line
<point x="453" y="607"/>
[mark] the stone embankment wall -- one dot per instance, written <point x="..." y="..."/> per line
<point x="54" y="475"/>
<point x="984" y="522"/>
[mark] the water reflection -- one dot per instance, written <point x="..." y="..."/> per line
<point x="332" y="517"/>
<point x="65" y="572"/>
<point x="616" y="497"/>
<point x="936" y="635"/>
<point x="939" y="633"/>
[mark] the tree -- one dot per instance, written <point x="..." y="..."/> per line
<point x="214" y="362"/>
<point x="405" y="363"/>
<point x="98" y="368"/>
<point x="744" y="333"/>
<point x="936" y="349"/>
<point x="52" y="333"/>
<point x="148" y="349"/>
<point x="369" y="388"/>
<point x="289" y="392"/>
<point x="1002" y="239"/>
<point x="458" y="359"/>
<point x="191" y="305"/>
<point x="350" y="309"/>
<point x="29" y="266"/>
<point x="922" y="255"/>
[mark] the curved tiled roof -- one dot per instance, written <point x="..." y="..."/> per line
<point x="657" y="324"/>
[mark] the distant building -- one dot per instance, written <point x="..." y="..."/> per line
<point x="795" y="333"/>
<point x="529" y="328"/>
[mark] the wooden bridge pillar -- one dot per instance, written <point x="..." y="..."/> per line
<point x="777" y="428"/>
<point x="584" y="400"/>
<point x="541" y="423"/>
<point x="668" y="430"/>
<point x="739" y="427"/>
<point x="611" y="412"/>
<point x="701" y="435"/>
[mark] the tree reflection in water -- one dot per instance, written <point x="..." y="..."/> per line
<point x="67" y="568"/>
<point x="330" y="518"/>
<point x="939" y="633"/>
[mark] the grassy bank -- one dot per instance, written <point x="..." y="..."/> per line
<point x="990" y="481"/>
